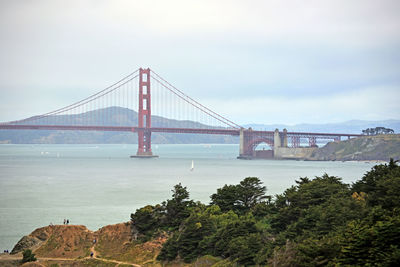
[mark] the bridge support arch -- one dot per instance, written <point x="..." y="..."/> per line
<point x="250" y="139"/>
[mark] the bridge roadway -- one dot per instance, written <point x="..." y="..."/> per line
<point x="249" y="139"/>
<point x="165" y="130"/>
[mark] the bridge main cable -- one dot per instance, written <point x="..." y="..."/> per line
<point x="81" y="102"/>
<point x="193" y="102"/>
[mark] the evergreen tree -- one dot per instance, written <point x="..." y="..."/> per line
<point x="251" y="192"/>
<point x="177" y="208"/>
<point x="382" y="185"/>
<point x="240" y="198"/>
<point x="226" y="198"/>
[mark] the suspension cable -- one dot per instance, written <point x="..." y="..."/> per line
<point x="204" y="111"/>
<point x="79" y="103"/>
<point x="228" y="122"/>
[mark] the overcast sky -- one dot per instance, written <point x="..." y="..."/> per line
<point x="252" y="61"/>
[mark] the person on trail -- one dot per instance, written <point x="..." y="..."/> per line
<point x="67" y="221"/>
<point x="91" y="254"/>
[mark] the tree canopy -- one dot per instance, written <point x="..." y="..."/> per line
<point x="316" y="222"/>
<point x="241" y="197"/>
<point x="377" y="130"/>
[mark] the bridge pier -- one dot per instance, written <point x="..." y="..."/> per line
<point x="284" y="138"/>
<point x="277" y="139"/>
<point x="241" y="142"/>
<point x="250" y="139"/>
<point x="144" y="116"/>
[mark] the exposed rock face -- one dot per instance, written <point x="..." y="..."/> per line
<point x="381" y="147"/>
<point x="33" y="239"/>
<point x="25" y="243"/>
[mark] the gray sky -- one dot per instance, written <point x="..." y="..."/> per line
<point x="251" y="61"/>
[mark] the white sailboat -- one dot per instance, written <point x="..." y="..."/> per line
<point x="192" y="168"/>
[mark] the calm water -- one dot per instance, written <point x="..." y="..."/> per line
<point x="96" y="185"/>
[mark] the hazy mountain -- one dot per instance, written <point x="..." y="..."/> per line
<point x="117" y="116"/>
<point x="353" y="126"/>
<point x="123" y="116"/>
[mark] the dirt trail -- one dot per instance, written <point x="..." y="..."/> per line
<point x="92" y="250"/>
<point x="10" y="257"/>
<point x="119" y="262"/>
<point x="100" y="259"/>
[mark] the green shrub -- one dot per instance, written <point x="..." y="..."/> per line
<point x="28" y="256"/>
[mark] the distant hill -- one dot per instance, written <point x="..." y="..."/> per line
<point x="380" y="147"/>
<point x="353" y="126"/>
<point x="118" y="116"/>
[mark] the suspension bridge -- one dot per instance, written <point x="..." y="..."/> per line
<point x="144" y="103"/>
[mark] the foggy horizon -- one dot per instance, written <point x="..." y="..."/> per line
<point x="263" y="62"/>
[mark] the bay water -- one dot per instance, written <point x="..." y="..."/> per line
<point x="96" y="185"/>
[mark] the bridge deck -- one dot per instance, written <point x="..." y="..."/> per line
<point x="162" y="130"/>
<point x="119" y="129"/>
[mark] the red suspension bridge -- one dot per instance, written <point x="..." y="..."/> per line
<point x="143" y="103"/>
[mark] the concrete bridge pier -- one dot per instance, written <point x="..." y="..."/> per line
<point x="241" y="142"/>
<point x="280" y="139"/>
<point x="277" y="139"/>
<point x="284" y="138"/>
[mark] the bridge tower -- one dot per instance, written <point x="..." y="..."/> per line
<point x="144" y="116"/>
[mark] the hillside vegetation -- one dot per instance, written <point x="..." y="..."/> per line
<point x="316" y="222"/>
<point x="380" y="147"/>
